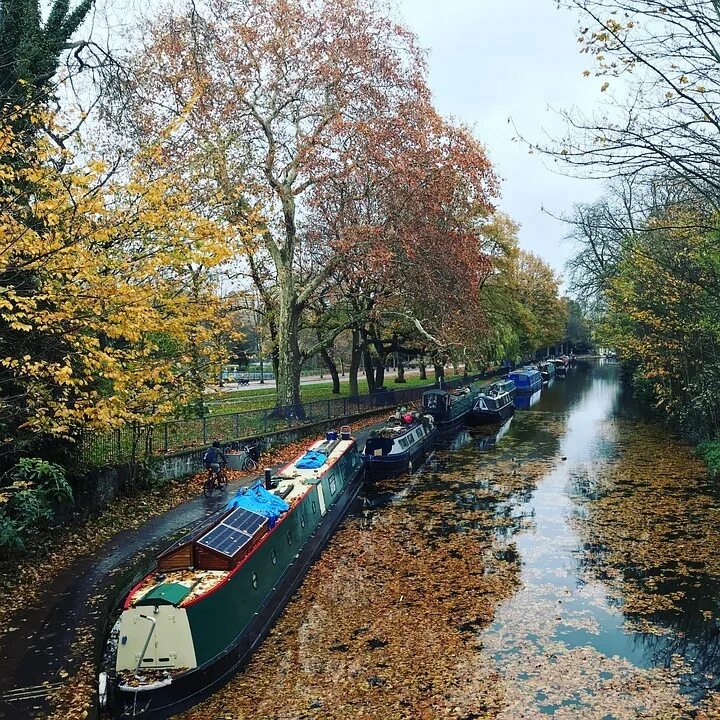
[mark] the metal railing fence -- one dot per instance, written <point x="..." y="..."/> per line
<point x="141" y="442"/>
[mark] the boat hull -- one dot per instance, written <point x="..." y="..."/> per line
<point x="378" y="467"/>
<point x="485" y="417"/>
<point x="195" y="685"/>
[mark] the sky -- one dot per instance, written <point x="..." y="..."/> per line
<point x="491" y="60"/>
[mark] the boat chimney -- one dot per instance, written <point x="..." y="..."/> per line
<point x="345" y="432"/>
<point x="268" y="478"/>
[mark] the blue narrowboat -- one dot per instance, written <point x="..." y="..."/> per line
<point x="187" y="626"/>
<point x="400" y="446"/>
<point x="527" y="380"/>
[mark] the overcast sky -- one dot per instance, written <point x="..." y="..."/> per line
<point x="495" y="59"/>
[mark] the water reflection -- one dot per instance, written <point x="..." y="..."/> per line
<point x="525" y="402"/>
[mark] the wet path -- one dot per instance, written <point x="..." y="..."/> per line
<point x="566" y="567"/>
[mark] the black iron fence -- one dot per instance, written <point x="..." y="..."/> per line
<point x="141" y="442"/>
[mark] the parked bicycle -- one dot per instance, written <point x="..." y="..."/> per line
<point x="252" y="456"/>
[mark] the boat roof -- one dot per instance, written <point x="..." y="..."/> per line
<point x="185" y="585"/>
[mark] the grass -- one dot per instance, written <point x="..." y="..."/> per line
<point x="254" y="398"/>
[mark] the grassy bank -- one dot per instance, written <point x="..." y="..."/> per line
<point x="254" y="398"/>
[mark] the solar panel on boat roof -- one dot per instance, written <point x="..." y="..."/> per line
<point x="245" y="520"/>
<point x="233" y="533"/>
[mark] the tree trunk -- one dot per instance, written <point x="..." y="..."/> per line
<point x="332" y="369"/>
<point x="355" y="358"/>
<point x="289" y="359"/>
<point x="423" y="371"/>
<point x="400" y="370"/>
<point x="368" y="363"/>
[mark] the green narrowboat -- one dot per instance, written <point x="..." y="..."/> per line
<point x="192" y="622"/>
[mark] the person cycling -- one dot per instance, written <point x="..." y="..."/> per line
<point x="216" y="478"/>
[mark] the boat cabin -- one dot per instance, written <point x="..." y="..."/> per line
<point x="527" y="380"/>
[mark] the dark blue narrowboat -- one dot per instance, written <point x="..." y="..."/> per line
<point x="449" y="408"/>
<point x="561" y="366"/>
<point x="400" y="446"/>
<point x="493" y="405"/>
<point x="505" y="385"/>
<point x="527" y="380"/>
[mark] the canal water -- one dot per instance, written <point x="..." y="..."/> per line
<point x="565" y="565"/>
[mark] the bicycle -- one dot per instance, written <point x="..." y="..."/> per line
<point x="215" y="480"/>
<point x="252" y="455"/>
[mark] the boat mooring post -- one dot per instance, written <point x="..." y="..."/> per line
<point x="268" y="478"/>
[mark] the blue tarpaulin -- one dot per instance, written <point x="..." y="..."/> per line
<point x="258" y="500"/>
<point x="311" y="460"/>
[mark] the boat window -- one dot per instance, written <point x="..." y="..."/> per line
<point x="302" y="520"/>
<point x="255" y="580"/>
<point x="273" y="557"/>
<point x="332" y="485"/>
<point x="289" y="537"/>
<point x="314" y="507"/>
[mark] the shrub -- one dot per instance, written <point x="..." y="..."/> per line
<point x="709" y="453"/>
<point x="31" y="493"/>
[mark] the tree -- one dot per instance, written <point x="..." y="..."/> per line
<point x="578" y="335"/>
<point x="667" y="123"/>
<point x="280" y="93"/>
<point x="108" y="310"/>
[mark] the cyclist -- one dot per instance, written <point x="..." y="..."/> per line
<point x="213" y="456"/>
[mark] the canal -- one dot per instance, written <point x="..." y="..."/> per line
<point x="565" y="565"/>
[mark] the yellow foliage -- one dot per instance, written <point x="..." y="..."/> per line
<point x="108" y="307"/>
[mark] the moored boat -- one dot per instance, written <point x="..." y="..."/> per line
<point x="547" y="371"/>
<point x="527" y="380"/>
<point x="524" y="401"/>
<point x="561" y="366"/>
<point x="505" y="385"/>
<point x="493" y="405"/>
<point x="449" y="408"/>
<point x="193" y="621"/>
<point x="400" y="446"/>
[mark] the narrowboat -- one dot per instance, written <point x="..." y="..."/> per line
<point x="547" y="370"/>
<point x="400" y="446"/>
<point x="561" y="367"/>
<point x="493" y="405"/>
<point x="527" y="380"/>
<point x="505" y="385"/>
<point x="449" y="408"/>
<point x="194" y="620"/>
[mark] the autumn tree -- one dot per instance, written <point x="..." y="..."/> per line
<point x="108" y="309"/>
<point x="406" y="218"/>
<point x="280" y="91"/>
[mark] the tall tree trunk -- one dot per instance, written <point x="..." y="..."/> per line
<point x="332" y="369"/>
<point x="368" y="362"/>
<point x="439" y="373"/>
<point x="289" y="359"/>
<point x="423" y="371"/>
<point x="400" y="369"/>
<point x="355" y="358"/>
<point x="380" y="371"/>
